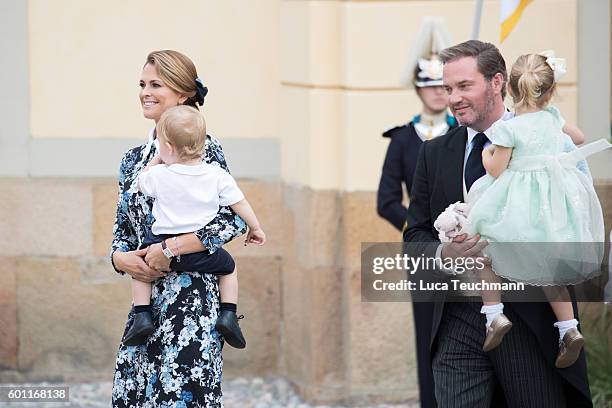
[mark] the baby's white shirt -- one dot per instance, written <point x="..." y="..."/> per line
<point x="187" y="197"/>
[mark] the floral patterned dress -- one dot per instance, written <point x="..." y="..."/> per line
<point x="181" y="364"/>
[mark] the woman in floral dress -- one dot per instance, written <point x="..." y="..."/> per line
<point x="181" y="364"/>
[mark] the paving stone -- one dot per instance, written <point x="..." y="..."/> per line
<point x="238" y="393"/>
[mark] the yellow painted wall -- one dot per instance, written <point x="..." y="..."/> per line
<point x="321" y="76"/>
<point x="86" y="57"/>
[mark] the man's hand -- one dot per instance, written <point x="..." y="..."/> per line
<point x="464" y="247"/>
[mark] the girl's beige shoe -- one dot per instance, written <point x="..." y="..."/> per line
<point x="569" y="348"/>
<point x="496" y="332"/>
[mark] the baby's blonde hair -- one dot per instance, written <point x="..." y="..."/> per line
<point x="531" y="80"/>
<point x="185" y="129"/>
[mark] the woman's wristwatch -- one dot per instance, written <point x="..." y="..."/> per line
<point x="167" y="252"/>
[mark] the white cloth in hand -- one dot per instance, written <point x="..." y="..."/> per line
<point x="452" y="221"/>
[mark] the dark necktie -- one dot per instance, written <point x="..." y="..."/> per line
<point x="473" y="167"/>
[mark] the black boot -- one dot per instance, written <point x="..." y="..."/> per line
<point x="142" y="327"/>
<point x="227" y="325"/>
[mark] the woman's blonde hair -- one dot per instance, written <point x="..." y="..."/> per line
<point x="177" y="71"/>
<point x="531" y="81"/>
<point x="185" y="129"/>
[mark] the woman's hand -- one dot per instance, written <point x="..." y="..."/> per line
<point x="255" y="236"/>
<point x="133" y="263"/>
<point x="156" y="259"/>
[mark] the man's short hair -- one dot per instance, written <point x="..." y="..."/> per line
<point x="488" y="58"/>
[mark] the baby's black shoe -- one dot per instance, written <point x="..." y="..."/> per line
<point x="142" y="327"/>
<point x="227" y="325"/>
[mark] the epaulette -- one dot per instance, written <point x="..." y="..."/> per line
<point x="391" y="132"/>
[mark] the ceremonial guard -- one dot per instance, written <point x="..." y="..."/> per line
<point x="425" y="75"/>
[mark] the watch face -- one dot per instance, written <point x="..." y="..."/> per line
<point x="168" y="253"/>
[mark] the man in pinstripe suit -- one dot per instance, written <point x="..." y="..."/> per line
<point x="520" y="372"/>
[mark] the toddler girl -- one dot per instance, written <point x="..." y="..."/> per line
<point x="535" y="193"/>
<point x="187" y="195"/>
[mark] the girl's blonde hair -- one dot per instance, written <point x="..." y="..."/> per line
<point x="531" y="81"/>
<point x="177" y="71"/>
<point x="185" y="129"/>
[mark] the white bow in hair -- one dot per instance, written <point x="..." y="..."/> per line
<point x="558" y="65"/>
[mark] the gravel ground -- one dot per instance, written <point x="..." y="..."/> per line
<point x="238" y="393"/>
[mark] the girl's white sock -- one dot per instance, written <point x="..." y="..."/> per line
<point x="564" y="326"/>
<point x="492" y="311"/>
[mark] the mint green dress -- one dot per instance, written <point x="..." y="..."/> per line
<point x="540" y="199"/>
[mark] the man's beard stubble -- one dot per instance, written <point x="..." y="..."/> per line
<point x="482" y="115"/>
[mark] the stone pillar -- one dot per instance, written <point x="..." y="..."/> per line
<point x="311" y="169"/>
<point x="335" y="347"/>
